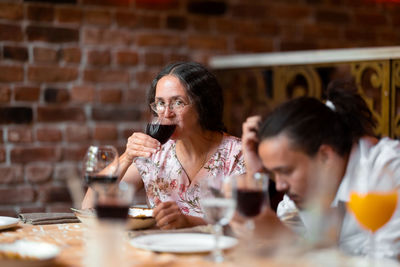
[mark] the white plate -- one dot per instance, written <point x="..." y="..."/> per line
<point x="32" y="252"/>
<point x="181" y="242"/>
<point x="8" y="222"/>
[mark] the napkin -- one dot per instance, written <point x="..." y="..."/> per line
<point x="48" y="218"/>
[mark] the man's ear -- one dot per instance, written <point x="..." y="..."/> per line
<point x="326" y="153"/>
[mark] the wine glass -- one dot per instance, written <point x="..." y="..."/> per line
<point x="160" y="129"/>
<point x="373" y="203"/>
<point x="218" y="206"/>
<point x="100" y="166"/>
<point x="251" y="193"/>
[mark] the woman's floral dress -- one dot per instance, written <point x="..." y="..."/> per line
<point x="165" y="179"/>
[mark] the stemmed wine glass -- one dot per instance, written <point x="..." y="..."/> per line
<point x="373" y="203"/>
<point x="251" y="193"/>
<point x="218" y="206"/>
<point x="100" y="166"/>
<point x="160" y="129"/>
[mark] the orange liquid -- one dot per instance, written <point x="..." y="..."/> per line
<point x="373" y="210"/>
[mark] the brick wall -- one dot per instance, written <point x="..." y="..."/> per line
<point x="75" y="72"/>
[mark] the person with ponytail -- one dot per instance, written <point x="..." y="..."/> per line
<point x="305" y="143"/>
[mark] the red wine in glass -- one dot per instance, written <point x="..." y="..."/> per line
<point x="100" y="179"/>
<point x="106" y="211"/>
<point x="161" y="132"/>
<point x="250" y="202"/>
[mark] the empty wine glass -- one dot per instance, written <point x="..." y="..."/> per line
<point x="100" y="166"/>
<point x="160" y="129"/>
<point x="218" y="206"/>
<point x="373" y="203"/>
<point x="251" y="193"/>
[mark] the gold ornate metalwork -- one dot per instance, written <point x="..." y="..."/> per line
<point x="395" y="99"/>
<point x="295" y="81"/>
<point x="372" y="79"/>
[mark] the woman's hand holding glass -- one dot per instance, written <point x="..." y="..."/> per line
<point x="140" y="145"/>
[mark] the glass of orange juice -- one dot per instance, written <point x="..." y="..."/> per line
<point x="373" y="203"/>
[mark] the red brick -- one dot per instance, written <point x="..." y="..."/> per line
<point x="294" y="45"/>
<point x="5" y="94"/>
<point x="98" y="17"/>
<point x="145" y="77"/>
<point x="38" y="172"/>
<point x="129" y="130"/>
<point x="127" y="58"/>
<point x="332" y="16"/>
<point x="16" y="114"/>
<point x="108" y="96"/>
<point x="250" y="10"/>
<point x="177" y="22"/>
<point x="11" y="73"/>
<point x="106" y="76"/>
<point x="18" y="53"/>
<point x="99" y="58"/>
<point x="358" y="34"/>
<point x="77" y="133"/>
<point x="26" y="93"/>
<point x="199" y="24"/>
<point x="40" y="13"/>
<point x="48" y="134"/>
<point x="33" y="154"/>
<point x="33" y="209"/>
<point x="55" y="95"/>
<point x="50" y="193"/>
<point x="19" y="135"/>
<point x="59" y="114"/>
<point x="161" y="40"/>
<point x="11" y="174"/>
<point x="52" y="34"/>
<point x="60" y="207"/>
<point x="65" y="171"/>
<point x="157" y="4"/>
<point x="52" y="74"/>
<point x="126" y="19"/>
<point x="371" y="18"/>
<point x="254" y="44"/>
<point x="74" y="153"/>
<point x="2" y="153"/>
<point x="103" y="36"/>
<point x="15" y="195"/>
<point x="291" y="12"/>
<point x="119" y="113"/>
<point x="321" y="31"/>
<point x="174" y="57"/>
<point x="82" y="93"/>
<point x="9" y="212"/>
<point x="135" y="96"/>
<point x="121" y="3"/>
<point x="207" y="42"/>
<point x="71" y="55"/>
<point x="154" y="59"/>
<point x="105" y="132"/>
<point x="45" y="55"/>
<point x="10" y="32"/>
<point x="69" y="15"/>
<point x="146" y="21"/>
<point x="11" y="11"/>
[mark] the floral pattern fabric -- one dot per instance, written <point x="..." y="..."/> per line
<point x="165" y="179"/>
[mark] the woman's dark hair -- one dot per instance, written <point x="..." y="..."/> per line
<point x="202" y="88"/>
<point x="309" y="123"/>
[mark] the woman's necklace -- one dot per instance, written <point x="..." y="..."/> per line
<point x="203" y="162"/>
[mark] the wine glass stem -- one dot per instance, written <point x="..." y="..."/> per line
<point x="372" y="248"/>
<point x="217" y="252"/>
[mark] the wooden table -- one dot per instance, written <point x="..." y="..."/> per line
<point x="71" y="239"/>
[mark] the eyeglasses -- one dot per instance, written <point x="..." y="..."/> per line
<point x="175" y="105"/>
